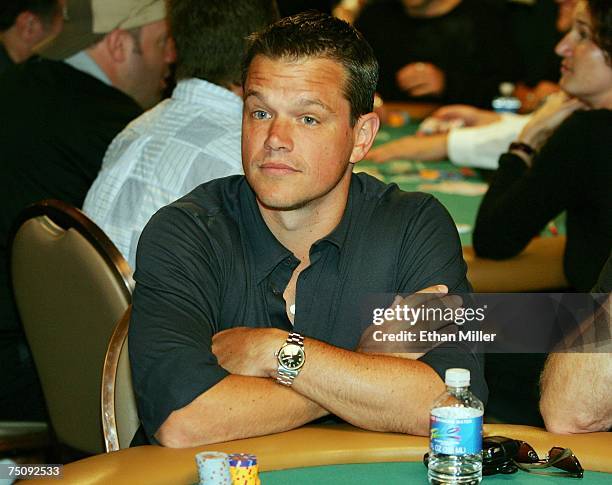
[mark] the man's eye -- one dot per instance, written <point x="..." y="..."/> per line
<point x="309" y="120"/>
<point x="260" y="115"/>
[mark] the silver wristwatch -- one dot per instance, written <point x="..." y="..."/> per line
<point x="291" y="358"/>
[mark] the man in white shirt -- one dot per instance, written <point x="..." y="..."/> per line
<point x="190" y="138"/>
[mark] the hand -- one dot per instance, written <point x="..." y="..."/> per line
<point x="443" y="118"/>
<point x="426" y="148"/>
<point x="532" y="98"/>
<point x="248" y="351"/>
<point x="421" y="79"/>
<point x="431" y="297"/>
<point x="547" y="119"/>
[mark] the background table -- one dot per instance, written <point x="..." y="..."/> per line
<point x="413" y="176"/>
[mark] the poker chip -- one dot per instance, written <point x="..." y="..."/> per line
<point x="244" y="469"/>
<point x="213" y="468"/>
<point x="395" y="119"/>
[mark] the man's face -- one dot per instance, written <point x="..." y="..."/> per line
<point x="297" y="140"/>
<point x="147" y="65"/>
<point x="585" y="73"/>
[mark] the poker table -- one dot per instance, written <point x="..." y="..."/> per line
<point x="323" y="454"/>
<point x="538" y="268"/>
<point x="400" y="473"/>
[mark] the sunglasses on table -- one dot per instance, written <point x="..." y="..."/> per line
<point x="505" y="455"/>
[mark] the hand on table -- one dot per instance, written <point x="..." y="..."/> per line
<point x="447" y="117"/>
<point x="248" y="351"/>
<point x="421" y="79"/>
<point x="432" y="297"/>
<point x="547" y="119"/>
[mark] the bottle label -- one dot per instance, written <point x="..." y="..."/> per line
<point x="454" y="435"/>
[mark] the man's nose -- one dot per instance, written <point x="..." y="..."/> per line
<point x="279" y="135"/>
<point x="564" y="47"/>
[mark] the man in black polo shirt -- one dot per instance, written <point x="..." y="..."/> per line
<point x="280" y="260"/>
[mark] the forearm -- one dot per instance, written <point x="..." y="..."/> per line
<point x="426" y="148"/>
<point x="375" y="392"/>
<point x="430" y="148"/>
<point x="237" y="407"/>
<point x="575" y="393"/>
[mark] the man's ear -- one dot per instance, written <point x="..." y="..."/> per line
<point x="365" y="131"/>
<point x="30" y="27"/>
<point x="118" y="43"/>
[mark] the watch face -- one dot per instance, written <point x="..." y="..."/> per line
<point x="291" y="356"/>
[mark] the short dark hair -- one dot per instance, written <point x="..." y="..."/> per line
<point x="10" y="9"/>
<point x="601" y="16"/>
<point x="210" y="35"/>
<point x="318" y="35"/>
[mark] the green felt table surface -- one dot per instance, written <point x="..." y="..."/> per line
<point x="438" y="179"/>
<point x="406" y="473"/>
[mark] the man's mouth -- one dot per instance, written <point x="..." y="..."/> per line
<point x="277" y="168"/>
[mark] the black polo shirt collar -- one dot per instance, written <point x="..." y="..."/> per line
<point x="268" y="252"/>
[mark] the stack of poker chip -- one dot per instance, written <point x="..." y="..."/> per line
<point x="214" y="468"/>
<point x="244" y="469"/>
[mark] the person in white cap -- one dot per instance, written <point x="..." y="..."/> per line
<point x="189" y="139"/>
<point x="25" y="24"/>
<point x="61" y="112"/>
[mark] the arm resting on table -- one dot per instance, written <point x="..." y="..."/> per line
<point x="370" y="391"/>
<point x="374" y="392"/>
<point x="237" y="407"/>
<point x="575" y="392"/>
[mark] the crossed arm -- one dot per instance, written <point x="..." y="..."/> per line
<point x="370" y="391"/>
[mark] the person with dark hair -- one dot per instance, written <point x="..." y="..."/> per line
<point x="247" y="308"/>
<point x="561" y="162"/>
<point x="543" y="175"/>
<point x="189" y="139"/>
<point x="62" y="110"/>
<point x="445" y="51"/>
<point x="23" y="25"/>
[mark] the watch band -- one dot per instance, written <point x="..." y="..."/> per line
<point x="295" y="338"/>
<point x="284" y="375"/>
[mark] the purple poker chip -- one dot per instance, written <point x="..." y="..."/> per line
<point x="242" y="460"/>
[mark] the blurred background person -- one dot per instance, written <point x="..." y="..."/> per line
<point x="186" y="140"/>
<point x="543" y="175"/>
<point x="480" y="136"/>
<point x="449" y="51"/>
<point x="111" y="60"/>
<point x="25" y="24"/>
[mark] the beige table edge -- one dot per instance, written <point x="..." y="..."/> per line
<point x="538" y="268"/>
<point x="308" y="446"/>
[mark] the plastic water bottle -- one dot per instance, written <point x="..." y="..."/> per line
<point x="455" y="447"/>
<point x="506" y="103"/>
